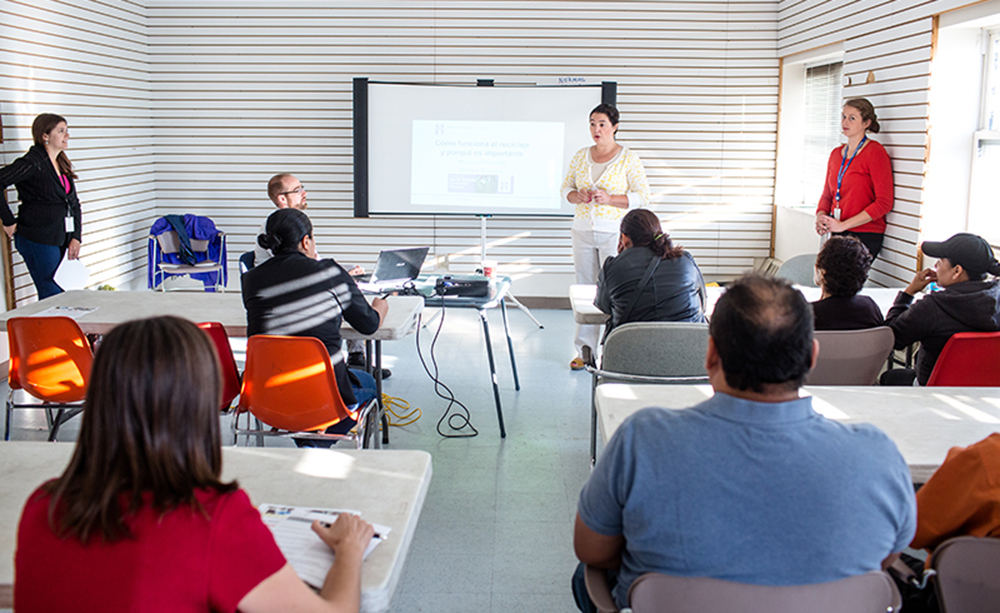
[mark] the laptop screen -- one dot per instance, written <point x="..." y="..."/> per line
<point x="399" y="264"/>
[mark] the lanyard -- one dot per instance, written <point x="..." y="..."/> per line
<point x="843" y="167"/>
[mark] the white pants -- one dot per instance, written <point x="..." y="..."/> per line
<point x="590" y="249"/>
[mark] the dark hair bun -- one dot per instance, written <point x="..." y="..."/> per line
<point x="874" y="127"/>
<point x="269" y="241"/>
<point x="285" y="229"/>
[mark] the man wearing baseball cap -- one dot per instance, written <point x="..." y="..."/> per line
<point x="969" y="301"/>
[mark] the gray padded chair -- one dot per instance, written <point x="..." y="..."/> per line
<point x="598" y="590"/>
<point x="968" y="574"/>
<point x="649" y="352"/>
<point x="799" y="269"/>
<point x="872" y="592"/>
<point x="851" y="357"/>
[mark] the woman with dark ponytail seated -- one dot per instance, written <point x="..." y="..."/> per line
<point x="294" y="294"/>
<point x="140" y="520"/>
<point x="650" y="279"/>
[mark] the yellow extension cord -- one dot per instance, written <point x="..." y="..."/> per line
<point x="404" y="414"/>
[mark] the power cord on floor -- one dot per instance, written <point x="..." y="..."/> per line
<point x="460" y="419"/>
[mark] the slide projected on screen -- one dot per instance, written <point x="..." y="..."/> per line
<point x="514" y="164"/>
<point x="464" y="150"/>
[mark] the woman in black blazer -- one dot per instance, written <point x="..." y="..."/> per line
<point x="47" y="225"/>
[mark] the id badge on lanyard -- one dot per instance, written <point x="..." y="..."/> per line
<point x="844" y="165"/>
<point x="70" y="224"/>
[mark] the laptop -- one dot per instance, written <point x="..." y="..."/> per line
<point x="393" y="268"/>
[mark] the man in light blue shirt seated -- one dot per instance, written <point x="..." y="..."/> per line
<point x="752" y="485"/>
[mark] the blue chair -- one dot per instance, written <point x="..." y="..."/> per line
<point x="247" y="261"/>
<point x="202" y="256"/>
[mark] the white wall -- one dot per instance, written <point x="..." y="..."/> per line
<point x="218" y="95"/>
<point x="956" y="86"/>
<point x="86" y="60"/>
<point x="890" y="44"/>
<point x="794" y="232"/>
<point x="242" y="92"/>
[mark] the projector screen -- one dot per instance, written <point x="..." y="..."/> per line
<point x="454" y="150"/>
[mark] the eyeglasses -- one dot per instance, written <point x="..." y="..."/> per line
<point x="298" y="190"/>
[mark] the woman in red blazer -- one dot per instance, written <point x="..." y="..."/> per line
<point x="857" y="194"/>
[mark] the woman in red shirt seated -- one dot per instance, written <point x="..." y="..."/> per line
<point x="140" y="519"/>
<point x="858" y="192"/>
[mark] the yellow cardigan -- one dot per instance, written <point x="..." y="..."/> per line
<point x="625" y="176"/>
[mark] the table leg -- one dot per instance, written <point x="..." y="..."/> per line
<point x="378" y="389"/>
<point x="510" y="344"/>
<point x="493" y="371"/>
<point x="593" y="421"/>
<point x="379" y="418"/>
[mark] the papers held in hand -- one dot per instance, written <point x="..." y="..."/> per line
<point x="71" y="274"/>
<point x="305" y="551"/>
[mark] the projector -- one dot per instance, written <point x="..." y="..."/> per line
<point x="473" y="286"/>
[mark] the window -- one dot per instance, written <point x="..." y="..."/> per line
<point x="984" y="213"/>
<point x="822" y="125"/>
<point x="808" y="129"/>
<point x="962" y="171"/>
<point x="808" y="124"/>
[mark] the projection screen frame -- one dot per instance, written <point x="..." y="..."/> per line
<point x="609" y="92"/>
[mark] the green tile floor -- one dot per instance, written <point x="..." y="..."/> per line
<point x="495" y="533"/>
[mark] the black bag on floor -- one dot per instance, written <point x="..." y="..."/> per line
<point x="918" y="591"/>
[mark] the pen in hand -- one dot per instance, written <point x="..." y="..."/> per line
<point x="375" y="535"/>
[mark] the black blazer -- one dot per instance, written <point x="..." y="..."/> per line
<point x="41" y="218"/>
<point x="294" y="295"/>
<point x="672" y="294"/>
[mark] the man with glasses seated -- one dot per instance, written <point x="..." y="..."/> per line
<point x="287" y="192"/>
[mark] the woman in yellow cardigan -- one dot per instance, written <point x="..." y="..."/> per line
<point x="604" y="181"/>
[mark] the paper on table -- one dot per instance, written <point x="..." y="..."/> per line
<point x="305" y="551"/>
<point x="72" y="312"/>
<point x="71" y="274"/>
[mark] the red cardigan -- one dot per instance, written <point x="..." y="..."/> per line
<point x="867" y="186"/>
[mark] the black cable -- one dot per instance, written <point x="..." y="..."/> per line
<point x="458" y="420"/>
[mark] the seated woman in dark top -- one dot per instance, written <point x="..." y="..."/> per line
<point x="294" y="294"/>
<point x="841" y="270"/>
<point x="650" y="279"/>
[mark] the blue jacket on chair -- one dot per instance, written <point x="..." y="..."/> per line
<point x="198" y="228"/>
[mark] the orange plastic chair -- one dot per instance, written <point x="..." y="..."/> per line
<point x="50" y="359"/>
<point x="289" y="385"/>
<point x="230" y="373"/>
<point x="969" y="359"/>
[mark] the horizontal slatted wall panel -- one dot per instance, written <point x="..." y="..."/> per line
<point x="86" y="60"/>
<point x="887" y="59"/>
<point x="240" y="94"/>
